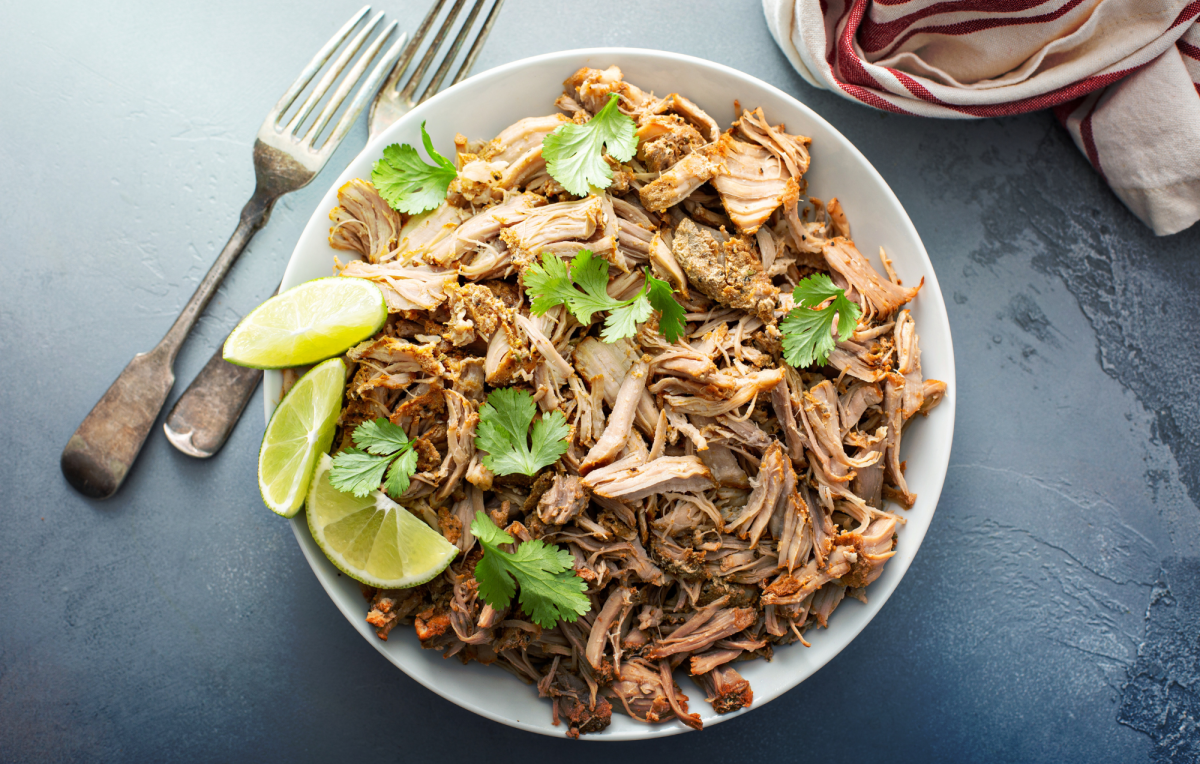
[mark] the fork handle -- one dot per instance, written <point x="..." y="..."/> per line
<point x="202" y="418"/>
<point x="99" y="454"/>
<point x="254" y="216"/>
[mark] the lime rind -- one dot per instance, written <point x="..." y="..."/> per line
<point x="373" y="539"/>
<point x="301" y="428"/>
<point x="308" y="323"/>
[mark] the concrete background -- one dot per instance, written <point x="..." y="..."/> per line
<point x="1052" y="614"/>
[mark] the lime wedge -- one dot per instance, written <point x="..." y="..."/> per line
<point x="373" y="539"/>
<point x="300" y="429"/>
<point x="308" y="323"/>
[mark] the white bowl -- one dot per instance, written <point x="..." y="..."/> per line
<point x="486" y="103"/>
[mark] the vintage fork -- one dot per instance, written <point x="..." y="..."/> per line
<point x="206" y="413"/>
<point x="287" y="156"/>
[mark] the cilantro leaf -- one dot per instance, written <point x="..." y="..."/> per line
<point x="574" y="153"/>
<point x="671" y="315"/>
<point x="550" y="589"/>
<point x="380" y="437"/>
<point x="591" y="273"/>
<point x="359" y="472"/>
<point x="503" y="433"/>
<point x="488" y="532"/>
<point x="550" y="284"/>
<point x="808" y="329"/>
<point x="496" y="586"/>
<point x="622" y="321"/>
<point x="409" y="184"/>
<point x="398" y="476"/>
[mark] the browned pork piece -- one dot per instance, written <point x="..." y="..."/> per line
<point x="666" y="473"/>
<point x="664" y="139"/>
<point x="790" y="150"/>
<point x="363" y="222"/>
<point x="565" y="499"/>
<point x="753" y="184"/>
<point x="592" y="88"/>
<point x="685" y="176"/>
<point x="717" y="503"/>
<point x="702" y="630"/>
<point x="730" y="272"/>
<point x="727" y="690"/>
<point x="641" y="694"/>
<point x="877" y="296"/>
<point x="873" y="547"/>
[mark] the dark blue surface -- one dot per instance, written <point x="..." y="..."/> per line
<point x="1050" y="616"/>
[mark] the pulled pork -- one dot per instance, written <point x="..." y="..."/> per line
<point x="718" y="503"/>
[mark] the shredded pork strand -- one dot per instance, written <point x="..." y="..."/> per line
<point x="718" y="503"/>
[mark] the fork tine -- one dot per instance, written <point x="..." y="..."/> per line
<point x="477" y="46"/>
<point x="365" y="93"/>
<point x="435" y="84"/>
<point x="331" y="74"/>
<point x="431" y="51"/>
<point x="315" y="65"/>
<point x="411" y="50"/>
<point x="348" y="82"/>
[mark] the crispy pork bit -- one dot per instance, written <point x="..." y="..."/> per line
<point x="664" y="140"/>
<point x="364" y="223"/>
<point x="592" y="87"/>
<point x="717" y="503"/>
<point x="565" y="499"/>
<point x="688" y="174"/>
<point x="730" y="273"/>
<point x="727" y="690"/>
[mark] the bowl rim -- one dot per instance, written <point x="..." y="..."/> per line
<point x="931" y="289"/>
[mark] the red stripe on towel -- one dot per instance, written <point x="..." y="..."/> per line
<point x="873" y="36"/>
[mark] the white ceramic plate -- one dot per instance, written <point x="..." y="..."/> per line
<point x="486" y="103"/>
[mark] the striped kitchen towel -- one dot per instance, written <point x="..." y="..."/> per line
<point x="1121" y="75"/>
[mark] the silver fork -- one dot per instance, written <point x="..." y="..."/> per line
<point x="287" y="156"/>
<point x="203" y="417"/>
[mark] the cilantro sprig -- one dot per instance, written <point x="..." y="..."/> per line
<point x="361" y="470"/>
<point x="553" y="283"/>
<point x="550" y="589"/>
<point x="808" y="328"/>
<point x="574" y="153"/>
<point x="409" y="184"/>
<point x="503" y="433"/>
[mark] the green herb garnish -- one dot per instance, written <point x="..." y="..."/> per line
<point x="550" y="590"/>
<point x="574" y="153"/>
<point x="808" y="329"/>
<point x="553" y="283"/>
<point x="503" y="433"/>
<point x="361" y="470"/>
<point x="407" y="183"/>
